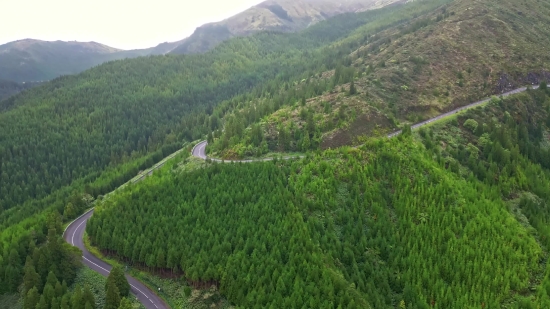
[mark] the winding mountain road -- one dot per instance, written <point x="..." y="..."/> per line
<point x="75" y="230"/>
<point x="74" y="235"/>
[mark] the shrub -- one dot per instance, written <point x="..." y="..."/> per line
<point x="471" y="125"/>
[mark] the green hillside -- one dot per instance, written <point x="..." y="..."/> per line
<point x="454" y="217"/>
<point x="76" y="138"/>
<point x="75" y="127"/>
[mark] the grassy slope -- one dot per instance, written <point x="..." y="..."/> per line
<point x="481" y="48"/>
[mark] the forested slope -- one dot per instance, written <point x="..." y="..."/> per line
<point x="92" y="132"/>
<point x="395" y="223"/>
<point x="78" y="137"/>
<point x="77" y="126"/>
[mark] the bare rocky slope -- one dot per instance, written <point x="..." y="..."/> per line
<point x="272" y="15"/>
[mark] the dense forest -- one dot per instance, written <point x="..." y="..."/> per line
<point x="77" y="126"/>
<point x="406" y="222"/>
<point x="76" y="138"/>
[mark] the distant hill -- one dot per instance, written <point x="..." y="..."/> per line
<point x="34" y="60"/>
<point x="272" y="15"/>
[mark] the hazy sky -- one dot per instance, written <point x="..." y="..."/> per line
<point x="118" y="23"/>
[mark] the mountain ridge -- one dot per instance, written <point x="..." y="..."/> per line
<point x="272" y="15"/>
<point x="37" y="60"/>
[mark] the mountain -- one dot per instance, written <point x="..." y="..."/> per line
<point x="272" y="15"/>
<point x="34" y="60"/>
<point x="9" y="88"/>
<point x="122" y="111"/>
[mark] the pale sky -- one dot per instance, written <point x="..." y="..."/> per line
<point x="123" y="24"/>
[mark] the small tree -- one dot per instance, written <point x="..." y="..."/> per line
<point x="306" y="144"/>
<point x="112" y="297"/>
<point x="471" y="125"/>
<point x="407" y="131"/>
<point x="31" y="299"/>
<point x="187" y="291"/>
<point x="69" y="212"/>
<point x="88" y="297"/>
<point x="543" y="85"/>
<point x="117" y="277"/>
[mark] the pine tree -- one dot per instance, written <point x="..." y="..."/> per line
<point x="58" y="290"/>
<point x="112" y="298"/>
<point x="117" y="277"/>
<point x="55" y="303"/>
<point x="32" y="298"/>
<point x="31" y="278"/>
<point x="88" y="297"/>
<point x="65" y="302"/>
<point x="76" y="299"/>
<point x="306" y="144"/>
<point x="69" y="212"/>
<point x="48" y="293"/>
<point x="42" y="304"/>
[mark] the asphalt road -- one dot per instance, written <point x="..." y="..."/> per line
<point x="423" y="123"/>
<point x="74" y="235"/>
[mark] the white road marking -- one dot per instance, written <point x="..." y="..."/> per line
<point x="76" y="230"/>
<point x="104" y="269"/>
<point x="107" y="271"/>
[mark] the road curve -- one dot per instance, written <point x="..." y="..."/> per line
<point x="74" y="235"/>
